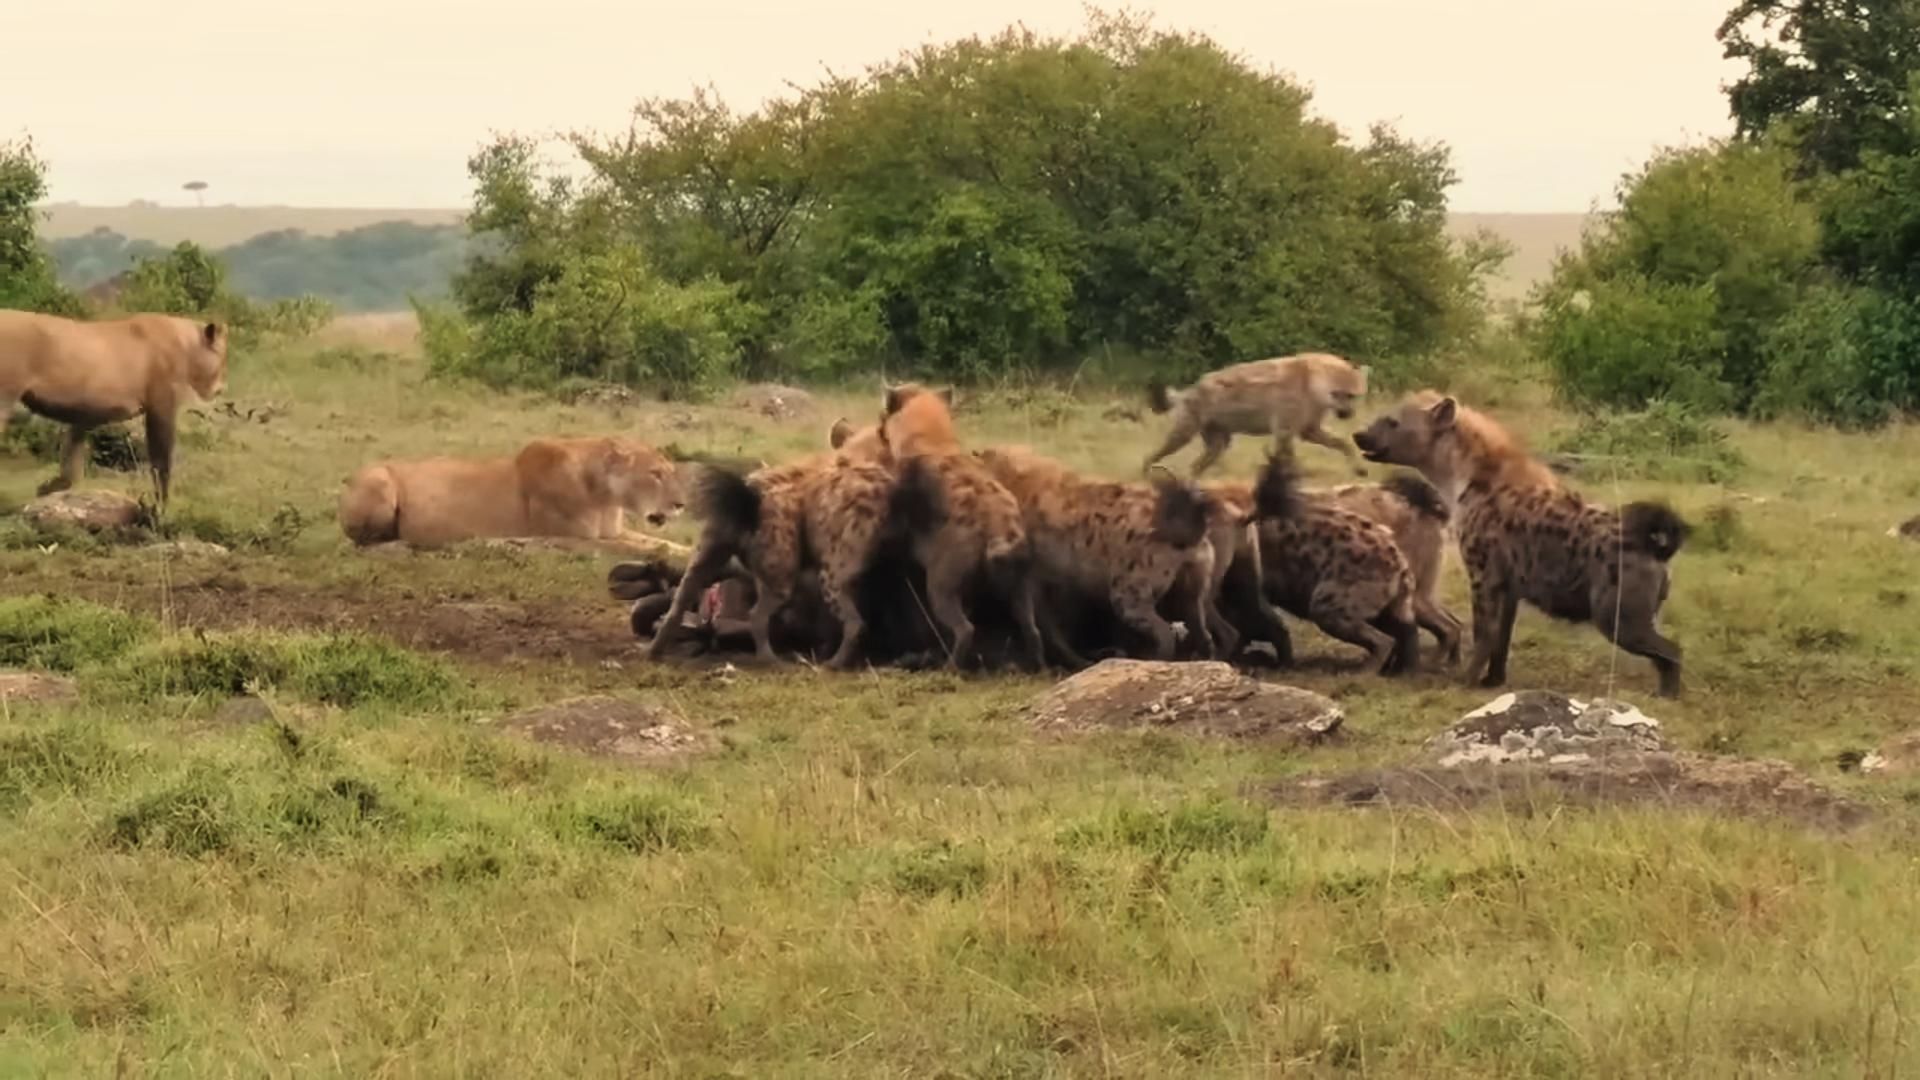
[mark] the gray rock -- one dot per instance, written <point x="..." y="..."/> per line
<point x="1906" y="530"/>
<point x="1206" y="698"/>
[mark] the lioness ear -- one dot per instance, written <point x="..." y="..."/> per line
<point x="894" y="400"/>
<point x="840" y="433"/>
<point x="1443" y="412"/>
<point x="210" y="333"/>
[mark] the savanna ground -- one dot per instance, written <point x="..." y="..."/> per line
<point x="892" y="873"/>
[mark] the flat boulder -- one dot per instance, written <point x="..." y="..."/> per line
<point x="23" y="687"/>
<point x="1540" y="725"/>
<point x="94" y="511"/>
<point x="1207" y="698"/>
<point x="610" y="727"/>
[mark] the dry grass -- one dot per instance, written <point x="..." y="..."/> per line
<point x="891" y="874"/>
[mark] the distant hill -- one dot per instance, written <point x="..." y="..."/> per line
<point x="1536" y="238"/>
<point x="224" y="226"/>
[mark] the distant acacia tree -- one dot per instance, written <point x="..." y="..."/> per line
<point x="199" y="189"/>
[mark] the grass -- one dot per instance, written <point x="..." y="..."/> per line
<point x="890" y="873"/>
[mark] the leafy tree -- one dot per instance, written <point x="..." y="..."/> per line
<point x="1709" y="247"/>
<point x="991" y="204"/>
<point x="27" y="279"/>
<point x="1835" y="71"/>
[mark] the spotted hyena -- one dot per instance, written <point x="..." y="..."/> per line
<point x="1116" y="544"/>
<point x="1334" y="568"/>
<point x="1525" y="537"/>
<point x="1417" y="515"/>
<point x="824" y="512"/>
<point x="965" y="526"/>
<point x="1285" y="398"/>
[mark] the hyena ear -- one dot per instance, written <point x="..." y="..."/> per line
<point x="838" y="435"/>
<point x="895" y="399"/>
<point x="1443" y="412"/>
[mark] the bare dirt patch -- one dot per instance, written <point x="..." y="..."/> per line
<point x="1675" y="780"/>
<point x="23" y="687"/>
<point x="1207" y="698"/>
<point x="611" y="727"/>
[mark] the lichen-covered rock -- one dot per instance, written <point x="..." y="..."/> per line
<point x="1540" y="725"/>
<point x="94" y="511"/>
<point x="1208" y="698"/>
<point x="610" y="727"/>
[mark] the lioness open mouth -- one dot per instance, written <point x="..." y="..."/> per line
<point x="656" y="518"/>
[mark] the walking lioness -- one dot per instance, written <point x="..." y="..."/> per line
<point x="86" y="374"/>
<point x="1286" y="397"/>
<point x="578" y="488"/>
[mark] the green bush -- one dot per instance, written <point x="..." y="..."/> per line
<point x="58" y="634"/>
<point x="28" y="281"/>
<point x="68" y="759"/>
<point x="189" y="281"/>
<point x="639" y="823"/>
<point x="1213" y="826"/>
<point x="1665" y="441"/>
<point x="1628" y="342"/>
<point x="604" y="318"/>
<point x="194" y="817"/>
<point x="1846" y="356"/>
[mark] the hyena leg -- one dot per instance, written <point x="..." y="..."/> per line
<point x="1216" y="440"/>
<point x="1185" y="427"/>
<point x="1631" y="628"/>
<point x="1135" y="607"/>
<point x="770" y="594"/>
<point x="1442" y="624"/>
<point x="709" y="559"/>
<point x="1405" y="632"/>
<point x="1320" y="436"/>
<point x="946" y="586"/>
<point x="836" y="589"/>
<point x="1025" y="615"/>
<point x="1495" y="605"/>
<point x="1338" y="621"/>
<point x="1198" y="614"/>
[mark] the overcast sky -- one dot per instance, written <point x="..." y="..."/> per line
<point x="379" y="102"/>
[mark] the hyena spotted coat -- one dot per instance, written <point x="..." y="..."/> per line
<point x="1285" y="398"/>
<point x="1525" y="537"/>
<point x="1122" y="544"/>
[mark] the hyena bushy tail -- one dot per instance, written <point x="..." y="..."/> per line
<point x="1276" y="494"/>
<point x="1419" y="494"/>
<point x="1653" y="528"/>
<point x="917" y="505"/>
<point x="1181" y="513"/>
<point x="726" y="501"/>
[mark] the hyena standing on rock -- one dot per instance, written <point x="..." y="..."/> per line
<point x="1524" y="537"/>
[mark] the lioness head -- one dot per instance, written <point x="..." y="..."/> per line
<point x="1409" y="434"/>
<point x="207" y="361"/>
<point x="643" y="480"/>
<point x="1336" y="384"/>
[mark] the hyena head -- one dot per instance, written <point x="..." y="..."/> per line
<point x="1410" y="434"/>
<point x="1335" y="384"/>
<point x="859" y="444"/>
